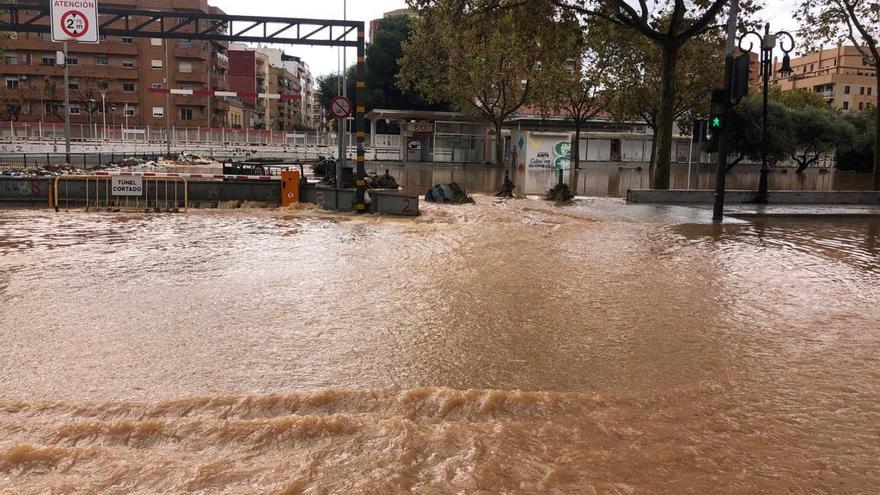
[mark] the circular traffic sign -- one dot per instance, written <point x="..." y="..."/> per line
<point x="74" y="24"/>
<point x="340" y="107"/>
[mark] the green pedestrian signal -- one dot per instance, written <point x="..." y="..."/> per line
<point x="716" y="123"/>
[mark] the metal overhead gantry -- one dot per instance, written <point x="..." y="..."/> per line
<point x="117" y="21"/>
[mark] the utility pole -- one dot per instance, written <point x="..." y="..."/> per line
<point x="104" y="114"/>
<point x="340" y="162"/>
<point x="167" y="104"/>
<point x="66" y="107"/>
<point x="724" y="142"/>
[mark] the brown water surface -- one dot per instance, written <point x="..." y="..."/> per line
<point x="513" y="347"/>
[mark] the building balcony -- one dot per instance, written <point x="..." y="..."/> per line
<point x="221" y="62"/>
<point x="190" y="52"/>
<point x="191" y="77"/>
<point x="219" y="83"/>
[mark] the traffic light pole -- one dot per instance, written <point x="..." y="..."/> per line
<point x="724" y="142"/>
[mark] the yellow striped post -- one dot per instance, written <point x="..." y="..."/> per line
<point x="360" y="184"/>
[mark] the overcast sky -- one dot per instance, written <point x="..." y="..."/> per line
<point x="323" y="60"/>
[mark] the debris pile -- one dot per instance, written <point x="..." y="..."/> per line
<point x="376" y="181"/>
<point x="448" y="193"/>
<point x="324" y="167"/>
<point x="559" y="193"/>
<point x="507" y="187"/>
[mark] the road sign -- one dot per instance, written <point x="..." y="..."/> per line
<point x="127" y="185"/>
<point x="75" y="20"/>
<point x="340" y="107"/>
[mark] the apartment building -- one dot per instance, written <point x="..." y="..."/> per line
<point x="840" y="74"/>
<point x="116" y="77"/>
<point x="249" y="74"/>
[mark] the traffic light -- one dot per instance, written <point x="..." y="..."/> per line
<point x="699" y="134"/>
<point x="716" y="111"/>
<point x="740" y="81"/>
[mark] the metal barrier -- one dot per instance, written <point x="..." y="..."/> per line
<point x="94" y="192"/>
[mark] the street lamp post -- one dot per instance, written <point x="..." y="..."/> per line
<point x="768" y="43"/>
<point x="104" y="114"/>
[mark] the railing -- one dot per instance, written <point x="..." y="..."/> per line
<point x="85" y="161"/>
<point x="94" y="192"/>
<point x="97" y="133"/>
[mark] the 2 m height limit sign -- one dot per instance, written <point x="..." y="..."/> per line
<point x="75" y="20"/>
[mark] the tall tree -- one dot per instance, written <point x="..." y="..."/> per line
<point x="857" y="21"/>
<point x="383" y="55"/>
<point x="576" y="79"/>
<point x="485" y="62"/>
<point x="816" y="133"/>
<point x="635" y="81"/>
<point x="669" y="26"/>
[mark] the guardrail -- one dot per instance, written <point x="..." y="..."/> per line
<point x="158" y="198"/>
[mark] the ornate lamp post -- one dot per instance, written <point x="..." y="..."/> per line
<point x="768" y="43"/>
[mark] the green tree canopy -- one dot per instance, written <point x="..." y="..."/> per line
<point x="818" y="131"/>
<point x="669" y="27"/>
<point x="855" y="21"/>
<point x="486" y="62"/>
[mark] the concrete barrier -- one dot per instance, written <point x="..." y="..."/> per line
<point x="703" y="196"/>
<point x="383" y="201"/>
<point x="35" y="190"/>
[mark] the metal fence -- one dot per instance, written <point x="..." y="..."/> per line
<point x="97" y="133"/>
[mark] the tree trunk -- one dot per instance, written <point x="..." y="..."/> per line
<point x="576" y="146"/>
<point x="499" y="149"/>
<point x="653" y="163"/>
<point x="666" y="117"/>
<point x="877" y="131"/>
<point x="802" y="165"/>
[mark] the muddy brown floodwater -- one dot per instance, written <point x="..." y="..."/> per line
<point x="502" y="347"/>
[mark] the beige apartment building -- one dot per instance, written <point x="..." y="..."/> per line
<point x="840" y="74"/>
<point x="116" y="76"/>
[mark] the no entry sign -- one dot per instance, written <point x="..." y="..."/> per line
<point x="340" y="107"/>
<point x="75" y="20"/>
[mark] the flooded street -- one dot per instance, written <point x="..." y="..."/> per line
<point x="507" y="346"/>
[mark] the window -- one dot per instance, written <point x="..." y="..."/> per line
<point x="862" y="90"/>
<point x="184" y="43"/>
<point x="127" y="63"/>
<point x="811" y="67"/>
<point x="156" y="63"/>
<point x="46" y="36"/>
<point x="861" y="105"/>
<point x="156" y="41"/>
<point x="128" y="111"/>
<point x="103" y="84"/>
<point x="158" y="85"/>
<point x="11" y="59"/>
<point x="72" y="60"/>
<point x="186" y="67"/>
<point x="127" y="39"/>
<point x="73" y="84"/>
<point x="128" y="87"/>
<point x="74" y="109"/>
<point x="846" y="90"/>
<point x="48" y="60"/>
<point x="186" y="113"/>
<point x="50" y="108"/>
<point x="12" y="82"/>
<point x="102" y="60"/>
<point x="869" y="91"/>
<point x="846" y="105"/>
<point x="158" y="112"/>
<point x="186" y="87"/>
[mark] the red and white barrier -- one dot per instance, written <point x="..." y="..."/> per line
<point x="193" y="176"/>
